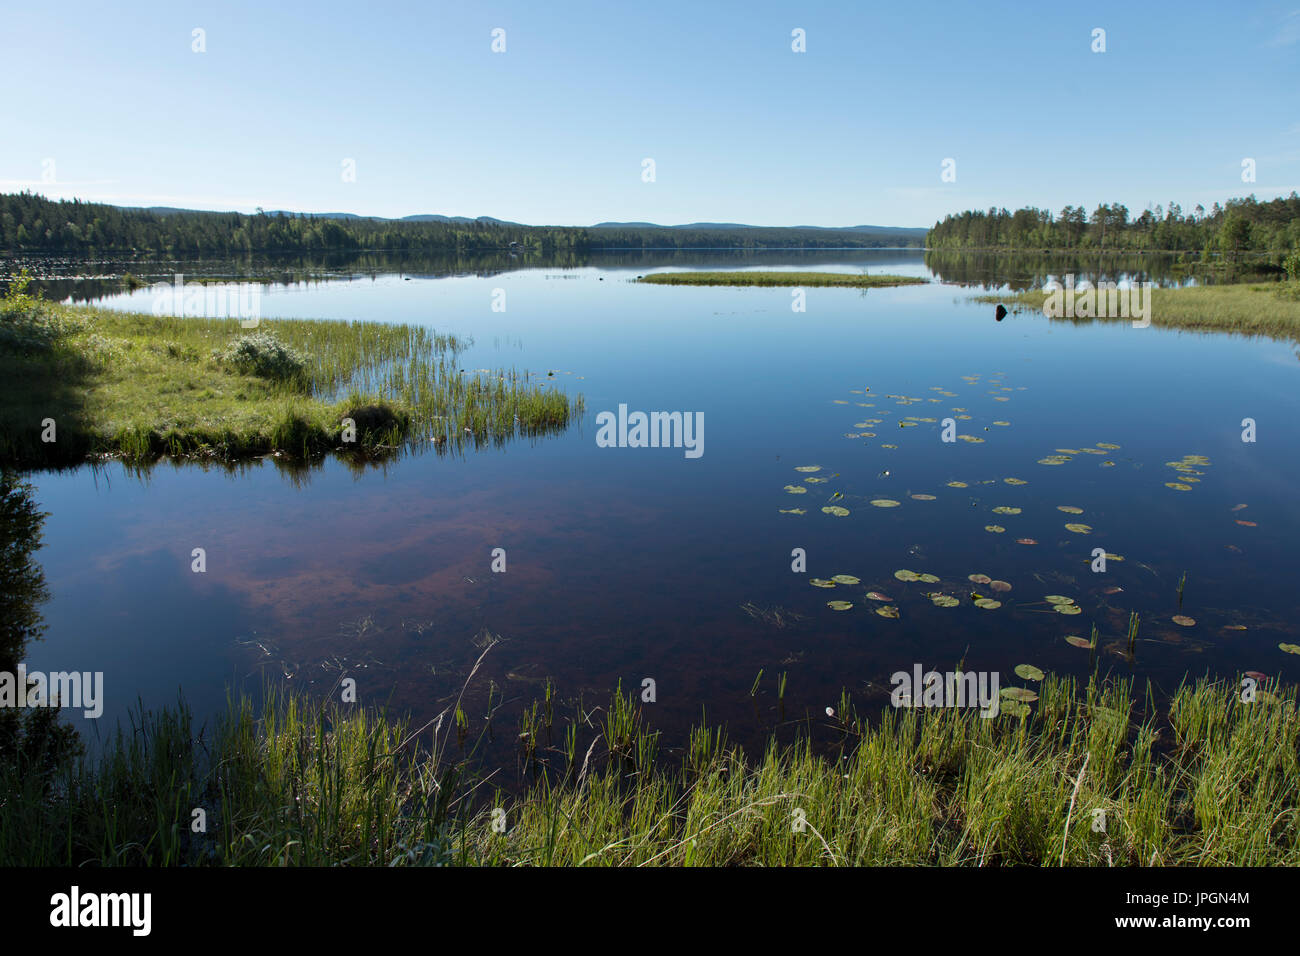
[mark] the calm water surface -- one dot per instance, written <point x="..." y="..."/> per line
<point x="632" y="563"/>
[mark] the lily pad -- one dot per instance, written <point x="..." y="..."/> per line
<point x="845" y="579"/>
<point x="885" y="502"/>
<point x="999" y="585"/>
<point x="796" y="489"/>
<point x="979" y="578"/>
<point x="1026" y="541"/>
<point x="1028" y="672"/>
<point x="1015" y="481"/>
<point x="888" y="611"/>
<point x="923" y="497"/>
<point x="1290" y="648"/>
<point x="877" y="596"/>
<point x="1013" y="708"/>
<point x="821" y="583"/>
<point x="1069" y="509"/>
<point x="928" y="578"/>
<point x="836" y="510"/>
<point x="1058" y="599"/>
<point x="1178" y="486"/>
<point x="905" y="575"/>
<point x="988" y="604"/>
<point x="944" y="600"/>
<point x="792" y="511"/>
<point x="1182" y="620"/>
<point x="1005" y="510"/>
<point x="995" y="528"/>
<point x="808" y="468"/>
<point x="1022" y="694"/>
<point x="839" y="605"/>
<point x="1067" y="609"/>
<point x="1077" y="641"/>
<point x="958" y="484"/>
<point x="1079" y="528"/>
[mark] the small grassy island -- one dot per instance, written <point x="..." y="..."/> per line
<point x="80" y="383"/>
<point x="748" y="278"/>
<point x="1271" y="309"/>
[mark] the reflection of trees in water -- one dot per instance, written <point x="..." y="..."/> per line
<point x="29" y="738"/>
<point x="1027" y="270"/>
<point x="57" y="278"/>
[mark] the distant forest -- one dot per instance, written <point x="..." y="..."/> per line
<point x="34" y="224"/>
<point x="1240" y="226"/>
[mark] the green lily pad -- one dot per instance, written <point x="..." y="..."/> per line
<point x="888" y="611"/>
<point x="844" y="579"/>
<point x="839" y="605"/>
<point x="944" y="600"/>
<point x="821" y="583"/>
<point x="1028" y="672"/>
<point x="906" y="575"/>
<point x="979" y="578"/>
<point x="988" y="604"/>
<point x="1005" y="510"/>
<point x="1022" y="694"/>
<point x="808" y="468"/>
<point x="1078" y="641"/>
<point x="995" y="528"/>
<point x="836" y="510"/>
<point x="796" y="489"/>
<point x="885" y="502"/>
<point x="1069" y="509"/>
<point x="1079" y="528"/>
<point x="792" y="511"/>
<point x="877" y="596"/>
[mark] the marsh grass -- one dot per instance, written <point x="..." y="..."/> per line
<point x="1271" y="309"/>
<point x="1208" y="780"/>
<point x="140" y="386"/>
<point x="752" y="278"/>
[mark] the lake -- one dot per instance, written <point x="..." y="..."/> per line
<point x="624" y="563"/>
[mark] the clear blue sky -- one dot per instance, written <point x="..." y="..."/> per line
<point x="554" y="130"/>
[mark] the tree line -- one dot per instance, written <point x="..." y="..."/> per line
<point x="33" y="224"/>
<point x="1237" y="227"/>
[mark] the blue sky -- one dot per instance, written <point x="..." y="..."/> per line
<point x="741" y="128"/>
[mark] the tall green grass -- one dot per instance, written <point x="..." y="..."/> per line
<point x="1092" y="778"/>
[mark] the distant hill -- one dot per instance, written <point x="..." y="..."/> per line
<point x="32" y="223"/>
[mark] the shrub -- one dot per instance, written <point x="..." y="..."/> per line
<point x="263" y="355"/>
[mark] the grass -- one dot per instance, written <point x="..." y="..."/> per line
<point x="1208" y="780"/>
<point x="1271" y="309"/>
<point x="747" y="278"/>
<point x="139" y="386"/>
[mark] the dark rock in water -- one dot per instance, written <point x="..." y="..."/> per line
<point x="1001" y="313"/>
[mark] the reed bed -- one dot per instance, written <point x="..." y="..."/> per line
<point x="755" y="278"/>
<point x="139" y="386"/>
<point x="1269" y="309"/>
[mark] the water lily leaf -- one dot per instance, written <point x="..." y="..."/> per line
<point x="877" y="596"/>
<point x="1069" y="509"/>
<point x="1234" y="627"/>
<point x="979" y="578"/>
<point x="1022" y="694"/>
<point x="1079" y="641"/>
<point x="1015" y="481"/>
<point x="844" y="579"/>
<point x="1067" y="609"/>
<point x="836" y="510"/>
<point x="1290" y="648"/>
<point x="1247" y="524"/>
<point x="1005" y="510"/>
<point x="885" y="502"/>
<point x="1013" y="708"/>
<point x="888" y="446"/>
<point x="958" y="484"/>
<point x="796" y="489"/>
<point x="999" y="586"/>
<point x="1028" y="672"/>
<point x="888" y="611"/>
<point x="995" y="528"/>
<point x="809" y="468"/>
<point x="839" y="605"/>
<point x="1108" y="445"/>
<point x="1004" y="424"/>
<point x="905" y="575"/>
<point x="1058" y="599"/>
<point x="821" y="583"/>
<point x="927" y="578"/>
<point x="1183" y="620"/>
<point x="792" y="511"/>
<point x="816" y="481"/>
<point x="924" y="497"/>
<point x="1079" y="528"/>
<point x="944" y="600"/>
<point x="1178" y="486"/>
<point x="988" y="604"/>
<point x="1026" y="541"/>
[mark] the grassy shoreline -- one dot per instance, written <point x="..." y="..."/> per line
<point x="1270" y="309"/>
<point x="751" y="278"/>
<point x="137" y="387"/>
<point x="1207" y="780"/>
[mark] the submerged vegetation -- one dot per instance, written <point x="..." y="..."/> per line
<point x="1271" y="309"/>
<point x="78" y="382"/>
<point x="1087" y="776"/>
<point x="746" y="278"/>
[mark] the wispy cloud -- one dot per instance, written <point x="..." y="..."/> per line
<point x="1288" y="31"/>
